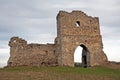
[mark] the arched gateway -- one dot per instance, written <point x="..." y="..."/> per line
<point x="82" y="57"/>
<point x="73" y="29"/>
<point x="85" y="56"/>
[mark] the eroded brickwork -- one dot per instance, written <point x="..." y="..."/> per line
<point x="23" y="54"/>
<point x="78" y="29"/>
<point x="73" y="29"/>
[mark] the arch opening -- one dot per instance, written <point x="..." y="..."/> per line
<point x="82" y="57"/>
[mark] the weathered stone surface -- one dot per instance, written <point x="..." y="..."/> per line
<point x="23" y="54"/>
<point x="73" y="29"/>
<point x="77" y="29"/>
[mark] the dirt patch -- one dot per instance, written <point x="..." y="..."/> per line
<point x="112" y="64"/>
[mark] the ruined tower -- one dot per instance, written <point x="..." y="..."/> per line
<point x="78" y="29"/>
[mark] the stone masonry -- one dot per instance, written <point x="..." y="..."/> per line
<point x="23" y="54"/>
<point x="73" y="29"/>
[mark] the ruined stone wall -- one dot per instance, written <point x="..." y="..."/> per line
<point x="73" y="29"/>
<point x="23" y="54"/>
<point x="76" y="29"/>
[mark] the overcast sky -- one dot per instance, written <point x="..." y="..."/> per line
<point x="35" y="21"/>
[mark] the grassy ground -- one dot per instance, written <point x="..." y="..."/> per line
<point x="59" y="73"/>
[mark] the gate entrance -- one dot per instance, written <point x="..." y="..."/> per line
<point x="83" y="55"/>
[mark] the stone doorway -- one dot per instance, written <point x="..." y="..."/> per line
<point x="83" y="53"/>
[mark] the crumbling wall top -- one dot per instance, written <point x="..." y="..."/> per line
<point x="16" y="41"/>
<point x="74" y="12"/>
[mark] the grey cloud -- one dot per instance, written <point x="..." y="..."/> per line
<point x="26" y="9"/>
<point x="3" y="45"/>
<point x="41" y="38"/>
<point x="26" y="17"/>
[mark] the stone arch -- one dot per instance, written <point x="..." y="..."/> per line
<point x="85" y="56"/>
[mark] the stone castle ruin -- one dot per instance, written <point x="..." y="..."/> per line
<point x="73" y="29"/>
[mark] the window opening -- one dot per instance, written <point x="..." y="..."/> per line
<point x="78" y="23"/>
<point x="14" y="41"/>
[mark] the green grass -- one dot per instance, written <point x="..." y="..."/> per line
<point x="59" y="73"/>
